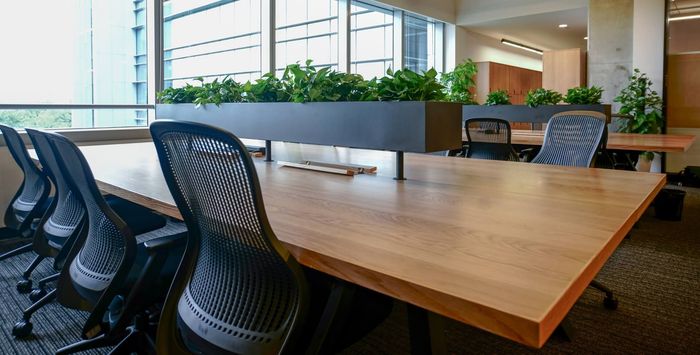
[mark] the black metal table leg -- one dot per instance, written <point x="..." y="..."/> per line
<point x="268" y="151"/>
<point x="426" y="331"/>
<point x="399" y="167"/>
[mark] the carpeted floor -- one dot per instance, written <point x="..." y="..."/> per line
<point x="655" y="275"/>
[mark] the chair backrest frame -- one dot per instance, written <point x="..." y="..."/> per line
<point x="596" y="125"/>
<point x="491" y="150"/>
<point x="169" y="339"/>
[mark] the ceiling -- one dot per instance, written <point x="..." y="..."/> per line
<point x="540" y="30"/>
<point x="684" y="8"/>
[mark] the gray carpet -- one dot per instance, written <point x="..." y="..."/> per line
<point x="54" y="325"/>
<point x="655" y="275"/>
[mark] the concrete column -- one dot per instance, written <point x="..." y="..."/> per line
<point x="648" y="32"/>
<point x="610" y="45"/>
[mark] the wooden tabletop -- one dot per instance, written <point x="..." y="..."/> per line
<point x="507" y="247"/>
<point x="669" y="143"/>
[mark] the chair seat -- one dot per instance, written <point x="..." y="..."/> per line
<point x="140" y="219"/>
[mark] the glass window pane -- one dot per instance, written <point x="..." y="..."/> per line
<point x="84" y="118"/>
<point x="371" y="40"/>
<point x="226" y="42"/>
<point x="422" y="43"/>
<point x="306" y="29"/>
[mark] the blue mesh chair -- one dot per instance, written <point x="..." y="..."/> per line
<point x="113" y="270"/>
<point x="489" y="138"/>
<point x="574" y="138"/>
<point x="238" y="289"/>
<point x="29" y="203"/>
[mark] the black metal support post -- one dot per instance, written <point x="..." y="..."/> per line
<point x="427" y="331"/>
<point x="399" y="167"/>
<point x="268" y="151"/>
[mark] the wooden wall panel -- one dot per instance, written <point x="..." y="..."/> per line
<point x="683" y="91"/>
<point x="563" y="69"/>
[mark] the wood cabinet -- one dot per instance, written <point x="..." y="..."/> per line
<point x="515" y="80"/>
<point x="563" y="69"/>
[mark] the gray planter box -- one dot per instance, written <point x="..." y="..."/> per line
<point x="524" y="113"/>
<point x="419" y="127"/>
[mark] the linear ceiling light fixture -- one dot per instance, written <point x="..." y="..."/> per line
<point x="681" y="18"/>
<point x="521" y="46"/>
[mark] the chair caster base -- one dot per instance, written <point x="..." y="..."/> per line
<point x="37" y="294"/>
<point x="22" y="329"/>
<point x="610" y="303"/>
<point x="24" y="286"/>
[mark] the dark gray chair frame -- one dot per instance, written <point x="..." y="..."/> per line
<point x="490" y="150"/>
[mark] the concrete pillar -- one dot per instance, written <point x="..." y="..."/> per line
<point x="610" y="45"/>
<point x="648" y="32"/>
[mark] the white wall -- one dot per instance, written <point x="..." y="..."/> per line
<point x="482" y="48"/>
<point x="477" y="11"/>
<point x="443" y="10"/>
<point x="648" y="40"/>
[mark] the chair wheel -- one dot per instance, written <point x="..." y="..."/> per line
<point x="37" y="294"/>
<point x="24" y="286"/>
<point x="22" y="329"/>
<point x="610" y="303"/>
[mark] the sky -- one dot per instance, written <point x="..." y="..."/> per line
<point x="36" y="51"/>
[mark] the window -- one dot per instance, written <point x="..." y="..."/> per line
<point x="371" y="39"/>
<point x="211" y="39"/>
<point x="306" y="29"/>
<point x="422" y="43"/>
<point x="72" y="52"/>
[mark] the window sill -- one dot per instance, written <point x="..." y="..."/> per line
<point x="93" y="136"/>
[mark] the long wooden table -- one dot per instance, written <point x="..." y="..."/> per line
<point x="667" y="143"/>
<point x="507" y="247"/>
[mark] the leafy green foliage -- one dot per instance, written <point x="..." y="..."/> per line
<point x="584" y="95"/>
<point x="407" y="85"/>
<point x="641" y="104"/>
<point x="542" y="96"/>
<point x="459" y="82"/>
<point x="498" y="97"/>
<point x="36" y="118"/>
<point x="308" y="84"/>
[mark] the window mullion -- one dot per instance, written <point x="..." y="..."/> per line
<point x="344" y="38"/>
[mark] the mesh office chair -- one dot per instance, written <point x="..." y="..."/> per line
<point x="28" y="204"/>
<point x="109" y="271"/>
<point x="489" y="138"/>
<point x="238" y="289"/>
<point x="573" y="138"/>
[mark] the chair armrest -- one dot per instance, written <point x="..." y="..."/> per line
<point x="165" y="243"/>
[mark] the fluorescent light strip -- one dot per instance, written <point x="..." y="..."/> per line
<point x="521" y="46"/>
<point x="681" y="18"/>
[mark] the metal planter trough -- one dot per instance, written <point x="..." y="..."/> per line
<point x="410" y="126"/>
<point x="524" y="113"/>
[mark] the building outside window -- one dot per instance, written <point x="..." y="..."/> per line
<point x="423" y="43"/>
<point x="306" y="29"/>
<point x="371" y="39"/>
<point x="211" y="39"/>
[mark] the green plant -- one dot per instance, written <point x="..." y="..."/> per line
<point x="584" y="95"/>
<point x="183" y="95"/>
<point x="542" y="96"/>
<point x="407" y="85"/>
<point x="218" y="92"/>
<point x="498" y="97"/>
<point x="459" y="82"/>
<point x="641" y="107"/>
<point x="266" y="89"/>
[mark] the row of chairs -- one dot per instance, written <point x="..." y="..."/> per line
<point x="227" y="285"/>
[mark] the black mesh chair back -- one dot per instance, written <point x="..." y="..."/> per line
<point x="489" y="138"/>
<point x="27" y="204"/>
<point x="63" y="217"/>
<point x="238" y="290"/>
<point x="103" y="252"/>
<point x="572" y="139"/>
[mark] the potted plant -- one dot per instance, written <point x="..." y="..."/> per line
<point x="584" y="96"/>
<point x="641" y="109"/>
<point x="402" y="111"/>
<point x="459" y="83"/>
<point x="498" y="97"/>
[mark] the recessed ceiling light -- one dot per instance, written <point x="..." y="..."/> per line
<point x="563" y="25"/>
<point x="586" y="38"/>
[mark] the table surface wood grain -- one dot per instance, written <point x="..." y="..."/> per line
<point x="504" y="246"/>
